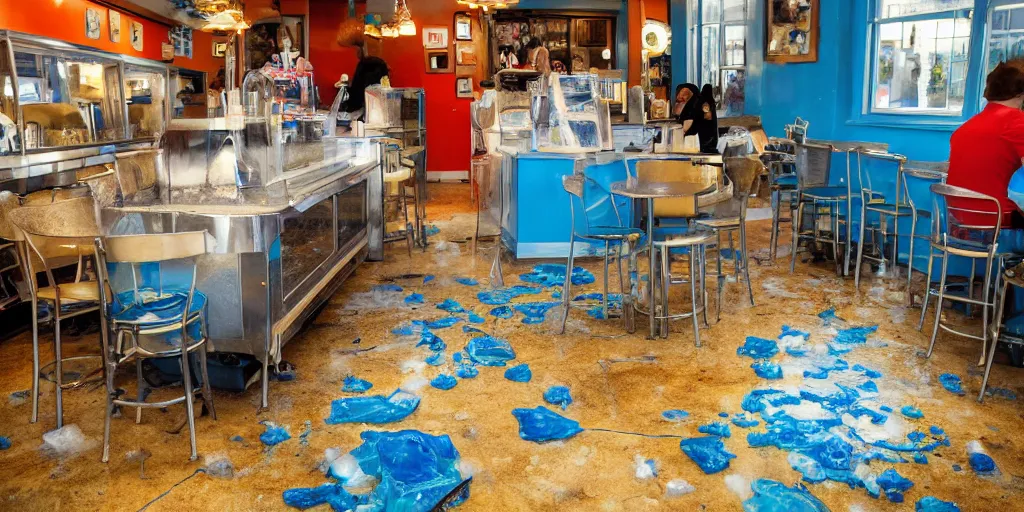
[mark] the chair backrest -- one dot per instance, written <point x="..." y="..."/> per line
<point x="678" y="171"/>
<point x="156" y="247"/>
<point x="58" y="234"/>
<point x="867" y="186"/>
<point x="813" y="164"/>
<point x="965" y="215"/>
<point x="797" y="132"/>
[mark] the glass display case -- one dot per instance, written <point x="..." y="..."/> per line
<point x="398" y="113"/>
<point x="568" y="113"/>
<point x="57" y="96"/>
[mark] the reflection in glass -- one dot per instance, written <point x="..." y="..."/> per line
<point x="307" y="240"/>
<point x="710" y="56"/>
<point x="896" y="8"/>
<point x="147" y="102"/>
<point x="735" y="42"/>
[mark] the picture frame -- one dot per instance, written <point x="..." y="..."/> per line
<point x="463" y="26"/>
<point x="92" y="23"/>
<point x="464" y="87"/>
<point x="465" y="54"/>
<point x="115" y="26"/>
<point x="439" y="60"/>
<point x="220" y="49"/>
<point x="135" y="35"/>
<point x="435" y="37"/>
<point x="793" y="28"/>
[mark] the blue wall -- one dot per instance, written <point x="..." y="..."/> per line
<point x="829" y="93"/>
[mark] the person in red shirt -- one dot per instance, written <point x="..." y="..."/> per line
<point x="988" y="149"/>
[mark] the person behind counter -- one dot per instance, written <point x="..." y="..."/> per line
<point x="538" y="56"/>
<point x="697" y="115"/>
<point x="369" y="71"/>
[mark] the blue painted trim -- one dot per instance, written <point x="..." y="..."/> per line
<point x="753" y="102"/>
<point x="680" y="41"/>
<point x="905" y="122"/>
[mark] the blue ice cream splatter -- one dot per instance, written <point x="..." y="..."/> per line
<point x="503" y="312"/>
<point x="535" y="312"/>
<point x="519" y="373"/>
<point x="716" y="429"/>
<point x="443" y="382"/>
<point x="354" y="384"/>
<point x="541" y="425"/>
<point x="758" y="348"/>
<point x="466" y="281"/>
<point x="981" y="463"/>
<point x="373" y="409"/>
<point x="553" y="274"/>
<point x="274" y="435"/>
<point x="912" y="412"/>
<point x="414" y="298"/>
<point x="475" y="319"/>
<point x="708" y="453"/>
<point x="675" y="415"/>
<point x="5" y="443"/>
<point x="894" y="485"/>
<point x="767" y="370"/>
<point x="490" y="351"/>
<point x="503" y="296"/>
<point x="327" y="494"/>
<point x="933" y="504"/>
<point x="466" y="371"/>
<point x="772" y="496"/>
<point x="558" y="395"/>
<point x="451" y="306"/>
<point x="435" y="360"/>
<point x="952" y="383"/>
<point x="741" y="420"/>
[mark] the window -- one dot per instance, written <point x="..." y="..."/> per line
<point x="718" y="34"/>
<point x="1006" y="35"/>
<point x="920" y="56"/>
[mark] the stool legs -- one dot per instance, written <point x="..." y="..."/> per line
<point x="746" y="261"/>
<point x="207" y="387"/>
<point x="35" y="359"/>
<point x="719" y="278"/>
<point x="860" y="246"/>
<point x="140" y="392"/>
<point x="985" y="309"/>
<point x="58" y="375"/>
<point x="694" y="259"/>
<point x="666" y="279"/>
<point x="1000" y="305"/>
<point x="627" y="295"/>
<point x="798" y="216"/>
<point x="927" y="288"/>
<point x="186" y="375"/>
<point x="938" y="306"/>
<point x="910" y="256"/>
<point x="604" y="301"/>
<point x="567" y="288"/>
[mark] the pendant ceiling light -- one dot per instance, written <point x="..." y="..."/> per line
<point x="220" y="15"/>
<point x="403" y="18"/>
<point x="488" y="4"/>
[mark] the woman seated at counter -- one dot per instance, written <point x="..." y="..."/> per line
<point x="696" y="112"/>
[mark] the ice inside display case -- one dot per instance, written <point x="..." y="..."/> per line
<point x="568" y="113"/>
<point x="397" y="113"/>
<point x="146" y="94"/>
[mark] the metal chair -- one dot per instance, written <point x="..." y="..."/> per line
<point x="696" y="244"/>
<point x="57" y="234"/>
<point x="729" y="217"/>
<point x="977" y="240"/>
<point x="602" y="222"/>
<point x="874" y="201"/>
<point x="1011" y="277"/>
<point x="797" y="131"/>
<point x="153" y="321"/>
<point x="918" y="177"/>
<point x="779" y="157"/>
<point x="396" y="172"/>
<point x="813" y="169"/>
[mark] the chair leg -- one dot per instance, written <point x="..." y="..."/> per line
<point x="834" y="213"/>
<point x="703" y="286"/>
<point x="798" y="214"/>
<point x="140" y="389"/>
<point x="567" y="288"/>
<point x="970" y="286"/>
<point x="35" y="359"/>
<point x="938" y="303"/>
<point x="405" y="212"/>
<point x="627" y="295"/>
<point x="746" y="262"/>
<point x="108" y="386"/>
<point x="910" y="257"/>
<point x="719" y="278"/>
<point x="985" y="309"/>
<point x="860" y="247"/>
<point x="186" y="375"/>
<point x="207" y="387"/>
<point x="773" y="243"/>
<point x="58" y="375"/>
<point x="1000" y="305"/>
<point x="927" y="289"/>
<point x="666" y="281"/>
<point x="693" y="298"/>
<point x="604" y="299"/>
<point x="624" y="244"/>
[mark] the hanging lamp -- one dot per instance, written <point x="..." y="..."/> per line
<point x="488" y="4"/>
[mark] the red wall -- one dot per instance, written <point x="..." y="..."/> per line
<point x="65" y="20"/>
<point x="329" y="60"/>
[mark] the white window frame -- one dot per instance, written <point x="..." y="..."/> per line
<point x="875" y="21"/>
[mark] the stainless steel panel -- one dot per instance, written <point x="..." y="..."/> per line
<point x="219" y="277"/>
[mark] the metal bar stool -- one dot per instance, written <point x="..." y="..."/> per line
<point x="966" y="224"/>
<point x="874" y="201"/>
<point x="779" y="157"/>
<point x="58" y="235"/>
<point x="918" y="177"/>
<point x="154" y="321"/>
<point x="395" y="176"/>
<point x="813" y="169"/>
<point x="592" y="191"/>
<point x="1011" y="277"/>
<point x="731" y="217"/>
<point x="696" y="244"/>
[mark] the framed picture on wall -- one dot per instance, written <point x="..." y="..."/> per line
<point x="465" y="54"/>
<point x="115" y="26"/>
<point x="219" y="49"/>
<point x="435" y="37"/>
<point x="439" y="61"/>
<point x="463" y="27"/>
<point x="135" y="36"/>
<point x="792" y="33"/>
<point x="92" y="23"/>
<point x="464" y="87"/>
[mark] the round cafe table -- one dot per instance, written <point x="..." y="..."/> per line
<point x="650" y="191"/>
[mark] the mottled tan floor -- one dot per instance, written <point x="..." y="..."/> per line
<point x="593" y="471"/>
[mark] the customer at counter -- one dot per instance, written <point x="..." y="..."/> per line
<point x="697" y="115"/>
<point x="985" y="152"/>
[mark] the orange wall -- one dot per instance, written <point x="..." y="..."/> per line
<point x="656" y="10"/>
<point x="65" y="20"/>
<point x="328" y="58"/>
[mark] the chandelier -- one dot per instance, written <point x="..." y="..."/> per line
<point x="400" y="25"/>
<point x="488" y="4"/>
<point x="220" y="15"/>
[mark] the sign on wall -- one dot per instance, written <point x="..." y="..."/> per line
<point x="793" y="27"/>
